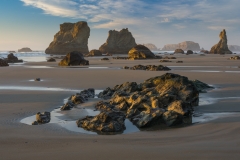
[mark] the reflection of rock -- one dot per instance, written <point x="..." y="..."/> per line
<point x="71" y="37"/>
<point x="221" y="47"/>
<point x="151" y="46"/>
<point x="42" y="118"/>
<point x="118" y="42"/>
<point x="74" y="58"/>
<point x="167" y="98"/>
<point x="140" y="52"/>
<point x="3" y="63"/>
<point x="13" y="59"/>
<point x="105" y="122"/>
<point x="26" y="49"/>
<point x="149" y="68"/>
<point x="179" y="51"/>
<point x="94" y="52"/>
<point x="186" y="45"/>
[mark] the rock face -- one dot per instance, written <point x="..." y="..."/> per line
<point x="13" y="59"/>
<point x="3" y="63"/>
<point x="179" y="51"/>
<point x="149" y="68"/>
<point x="118" y="42"/>
<point x="221" y="47"/>
<point x="234" y="48"/>
<point x="94" y="52"/>
<point x="26" y="49"/>
<point x="74" y="58"/>
<point x="186" y="45"/>
<point x="105" y="122"/>
<point x="151" y="46"/>
<point x="140" y="52"/>
<point x="71" y="37"/>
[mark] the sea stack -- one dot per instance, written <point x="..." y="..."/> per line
<point x="71" y="37"/>
<point x="118" y="42"/>
<point x="186" y="45"/>
<point x="25" y="49"/>
<point x="221" y="47"/>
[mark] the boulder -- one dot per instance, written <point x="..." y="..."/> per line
<point x="71" y="37"/>
<point x="201" y="87"/>
<point x="186" y="45"/>
<point x="221" y="47"/>
<point x="149" y="68"/>
<point x="140" y="52"/>
<point x="189" y="52"/>
<point x="13" y="59"/>
<point x="43" y="118"/>
<point x="51" y="60"/>
<point x="74" y="58"/>
<point x="235" y="58"/>
<point x="25" y="49"/>
<point x="179" y="51"/>
<point x="94" y="52"/>
<point x="104" y="123"/>
<point x="3" y="63"/>
<point x="118" y="42"/>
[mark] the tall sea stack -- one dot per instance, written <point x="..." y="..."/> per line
<point x="118" y="42"/>
<point x="71" y="37"/>
<point x="221" y="47"/>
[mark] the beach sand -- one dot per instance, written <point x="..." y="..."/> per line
<point x="20" y="97"/>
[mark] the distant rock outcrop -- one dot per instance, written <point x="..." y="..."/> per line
<point x="234" y="48"/>
<point x="13" y="59"/>
<point x="140" y="52"/>
<point x="71" y="37"/>
<point x="221" y="47"/>
<point x="118" y="42"/>
<point x="94" y="52"/>
<point x="151" y="46"/>
<point x="74" y="58"/>
<point x="186" y="45"/>
<point x="25" y="49"/>
<point x="179" y="51"/>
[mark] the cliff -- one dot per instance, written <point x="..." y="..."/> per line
<point x="118" y="42"/>
<point x="221" y="47"/>
<point x="234" y="48"/>
<point x="186" y="45"/>
<point x="71" y="37"/>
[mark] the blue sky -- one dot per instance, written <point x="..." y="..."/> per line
<point x="33" y="23"/>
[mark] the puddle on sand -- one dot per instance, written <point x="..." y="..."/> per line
<point x="33" y="88"/>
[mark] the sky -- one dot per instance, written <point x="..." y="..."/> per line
<point x="33" y="23"/>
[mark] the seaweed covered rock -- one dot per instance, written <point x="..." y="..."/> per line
<point x="149" y="68"/>
<point x="140" y="52"/>
<point x="104" y="123"/>
<point x="179" y="51"/>
<point x="13" y="59"/>
<point x="42" y="118"/>
<point x="74" y="58"/>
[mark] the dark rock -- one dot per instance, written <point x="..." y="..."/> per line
<point x="149" y="68"/>
<point x="37" y="79"/>
<point x="12" y="59"/>
<point x="3" y="63"/>
<point x="104" y="59"/>
<point x="179" y="51"/>
<point x="104" y="123"/>
<point x="51" y="60"/>
<point x="35" y="123"/>
<point x="68" y="106"/>
<point x="164" y="60"/>
<point x="169" y="57"/>
<point x="43" y="118"/>
<point x="189" y="52"/>
<point x="74" y="58"/>
<point x="179" y="62"/>
<point x="140" y="52"/>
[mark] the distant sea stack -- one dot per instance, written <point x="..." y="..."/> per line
<point x="25" y="49"/>
<point x="186" y="45"/>
<point x="221" y="47"/>
<point x="71" y="37"/>
<point x="234" y="48"/>
<point x="151" y="46"/>
<point x="118" y="42"/>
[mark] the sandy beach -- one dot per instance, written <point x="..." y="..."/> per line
<point x="22" y="97"/>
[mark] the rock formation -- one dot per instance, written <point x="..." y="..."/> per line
<point x="26" y="49"/>
<point x="189" y="52"/>
<point x="74" y="58"/>
<point x="221" y="47"/>
<point x="186" y="45"/>
<point x="235" y="58"/>
<point x="140" y="52"/>
<point x="151" y="46"/>
<point x="94" y="52"/>
<point x="3" y="63"/>
<point x="42" y="118"/>
<point x="118" y="42"/>
<point x="71" y="37"/>
<point x="149" y="68"/>
<point x="51" y="60"/>
<point x="234" y="48"/>
<point x="13" y="59"/>
<point x="179" y="51"/>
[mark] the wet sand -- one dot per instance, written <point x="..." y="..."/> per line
<point x="216" y="139"/>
